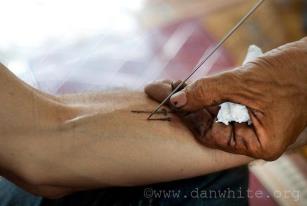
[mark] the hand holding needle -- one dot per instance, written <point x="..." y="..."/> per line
<point x="222" y="41"/>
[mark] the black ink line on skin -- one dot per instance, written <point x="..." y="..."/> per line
<point x="162" y="111"/>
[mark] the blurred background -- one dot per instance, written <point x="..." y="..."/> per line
<point x="63" y="46"/>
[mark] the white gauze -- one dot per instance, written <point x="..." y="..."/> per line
<point x="232" y="112"/>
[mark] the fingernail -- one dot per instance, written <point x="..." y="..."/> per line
<point x="179" y="99"/>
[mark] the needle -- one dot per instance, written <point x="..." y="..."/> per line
<point x="229" y="34"/>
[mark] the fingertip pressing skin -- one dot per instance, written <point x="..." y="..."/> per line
<point x="158" y="90"/>
<point x="179" y="99"/>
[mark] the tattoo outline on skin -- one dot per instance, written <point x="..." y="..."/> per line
<point x="163" y="111"/>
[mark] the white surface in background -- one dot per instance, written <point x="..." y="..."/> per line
<point x="29" y="23"/>
<point x="49" y="42"/>
<point x="232" y="112"/>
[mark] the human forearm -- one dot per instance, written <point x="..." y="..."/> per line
<point x="110" y="146"/>
<point x="92" y="140"/>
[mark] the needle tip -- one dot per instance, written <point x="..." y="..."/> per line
<point x="148" y="118"/>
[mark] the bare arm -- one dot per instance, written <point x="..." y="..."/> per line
<point x="122" y="148"/>
<point x="93" y="140"/>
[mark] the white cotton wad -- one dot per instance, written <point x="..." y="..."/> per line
<point x="232" y="112"/>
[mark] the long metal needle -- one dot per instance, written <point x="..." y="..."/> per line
<point x="229" y="34"/>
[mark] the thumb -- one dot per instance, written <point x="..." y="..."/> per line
<point x="207" y="91"/>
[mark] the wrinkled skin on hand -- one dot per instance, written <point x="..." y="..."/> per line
<point x="274" y="89"/>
